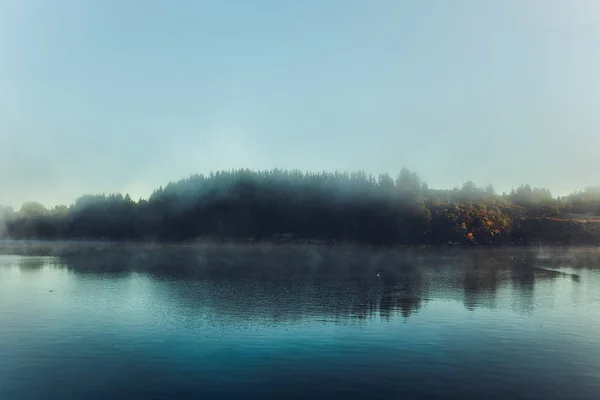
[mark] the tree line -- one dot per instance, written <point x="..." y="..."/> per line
<point x="284" y="205"/>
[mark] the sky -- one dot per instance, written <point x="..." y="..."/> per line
<point x="123" y="96"/>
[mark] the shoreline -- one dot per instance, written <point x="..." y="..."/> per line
<point x="273" y="242"/>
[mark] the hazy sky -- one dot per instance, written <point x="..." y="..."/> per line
<point x="113" y="95"/>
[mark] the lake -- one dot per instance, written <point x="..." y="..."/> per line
<point x="136" y="321"/>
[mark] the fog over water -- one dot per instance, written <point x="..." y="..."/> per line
<point x="143" y="321"/>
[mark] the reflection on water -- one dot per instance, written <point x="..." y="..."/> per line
<point x="136" y="321"/>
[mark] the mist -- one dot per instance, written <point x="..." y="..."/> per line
<point x="309" y="199"/>
<point x="205" y="87"/>
<point x="328" y="207"/>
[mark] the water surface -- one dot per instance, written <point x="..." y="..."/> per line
<point x="139" y="322"/>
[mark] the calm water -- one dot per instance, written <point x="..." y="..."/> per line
<point x="141" y="322"/>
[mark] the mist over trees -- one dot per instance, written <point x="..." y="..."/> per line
<point x="282" y="205"/>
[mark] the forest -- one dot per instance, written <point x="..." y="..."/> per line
<point x="327" y="207"/>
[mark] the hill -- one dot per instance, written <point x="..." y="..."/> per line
<point x="284" y="206"/>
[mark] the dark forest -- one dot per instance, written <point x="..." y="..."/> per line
<point x="338" y="207"/>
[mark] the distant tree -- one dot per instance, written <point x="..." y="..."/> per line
<point x="470" y="192"/>
<point x="409" y="185"/>
<point x="33" y="209"/>
<point x="6" y="217"/>
<point x="60" y="210"/>
<point x="385" y="183"/>
<point x="266" y="205"/>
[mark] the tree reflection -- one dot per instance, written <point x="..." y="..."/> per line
<point x="291" y="283"/>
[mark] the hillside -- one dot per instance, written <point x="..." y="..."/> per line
<point x="281" y="205"/>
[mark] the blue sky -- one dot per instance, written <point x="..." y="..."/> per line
<point x="107" y="95"/>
